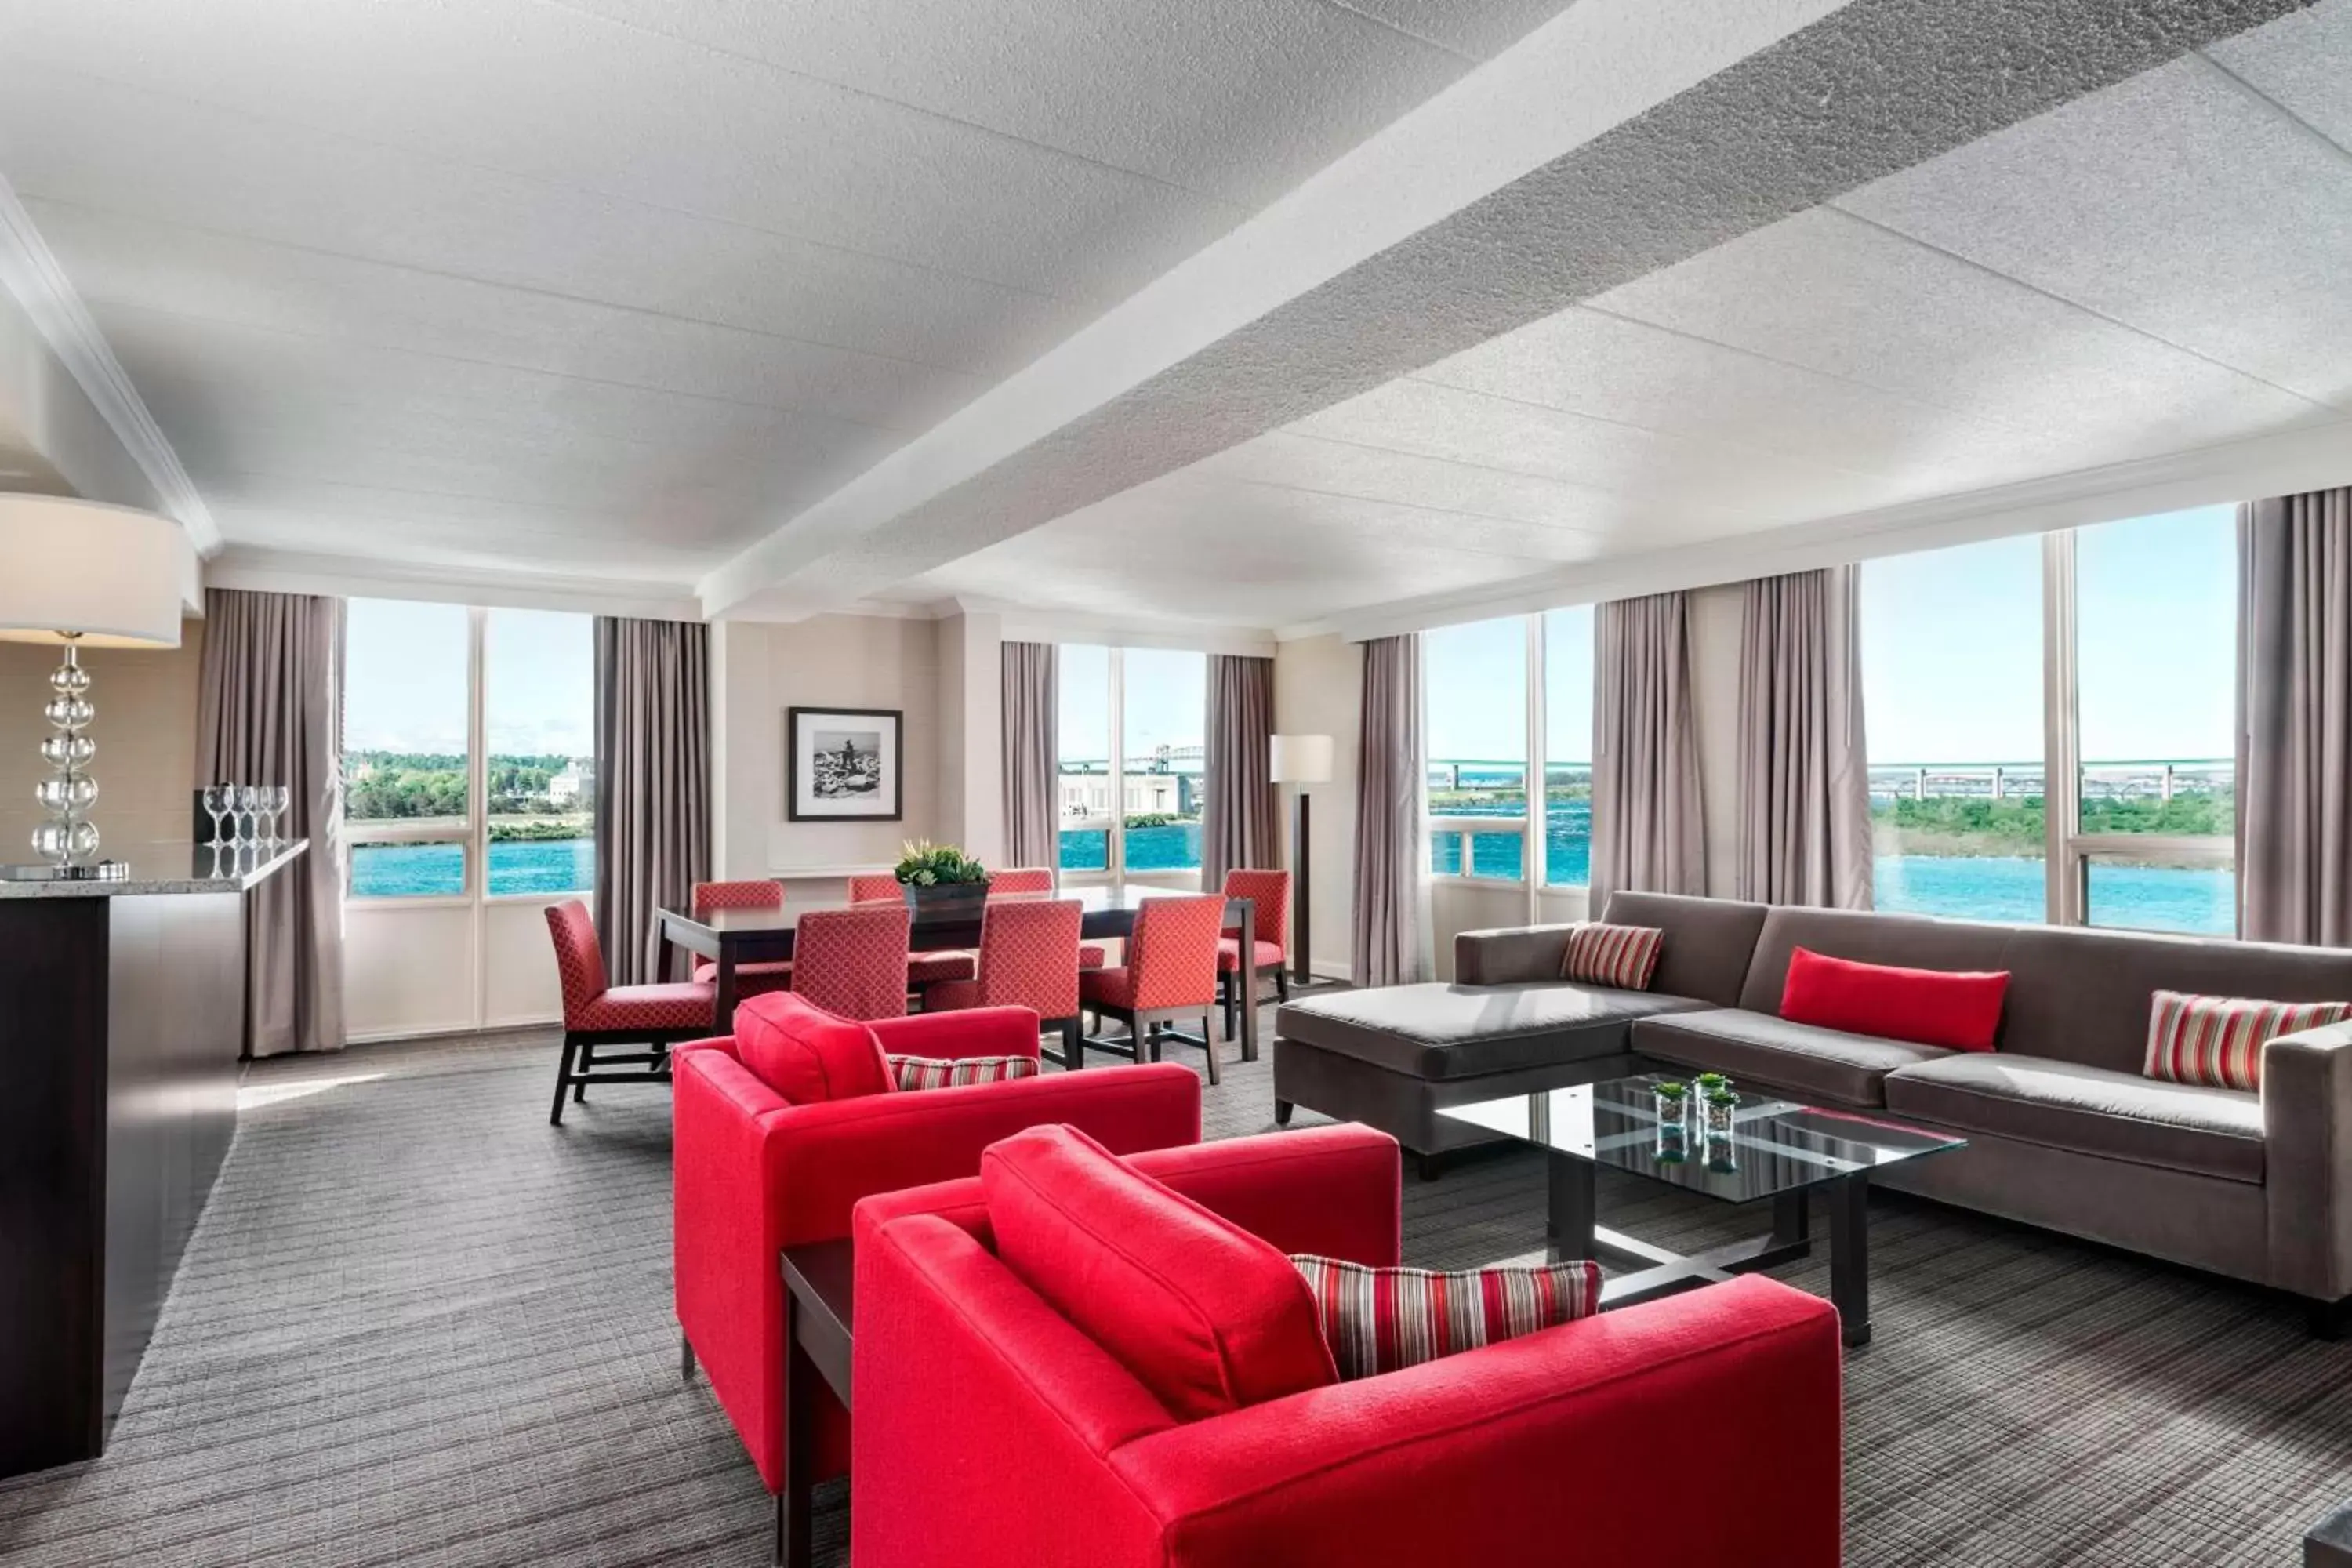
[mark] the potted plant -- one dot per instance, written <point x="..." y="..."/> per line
<point x="942" y="882"/>
<point x="1709" y="1082"/>
<point x="1674" y="1100"/>
<point x="1720" y="1108"/>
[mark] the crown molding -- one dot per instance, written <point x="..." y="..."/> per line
<point x="2306" y="458"/>
<point x="355" y="577"/>
<point x="29" y="271"/>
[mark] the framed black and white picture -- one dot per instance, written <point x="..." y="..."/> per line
<point x="844" y="765"/>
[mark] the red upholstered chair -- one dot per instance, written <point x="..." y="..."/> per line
<point x="755" y="1173"/>
<point x="852" y="962"/>
<point x="766" y="893"/>
<point x="922" y="968"/>
<point x="1169" y="972"/>
<point x="1039" y="879"/>
<point x="1028" y="958"/>
<point x="1269" y="896"/>
<point x="597" y="1014"/>
<point x="1540" y="1449"/>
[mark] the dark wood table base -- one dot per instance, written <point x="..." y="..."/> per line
<point x="1575" y="1233"/>
<point x="820" y="1321"/>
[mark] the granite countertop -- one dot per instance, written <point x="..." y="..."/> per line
<point x="181" y="868"/>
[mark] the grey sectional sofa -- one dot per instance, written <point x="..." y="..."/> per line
<point x="2063" y="1130"/>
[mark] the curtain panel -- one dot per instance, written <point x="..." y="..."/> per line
<point x="1388" y="917"/>
<point x="1804" y="812"/>
<point x="1032" y="683"/>
<point x="1648" y="831"/>
<point x="269" y="711"/>
<point x="2295" y="719"/>
<point x="652" y="783"/>
<point x="1237" y="817"/>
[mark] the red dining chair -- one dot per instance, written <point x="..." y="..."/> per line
<point x="923" y="969"/>
<point x="1040" y="880"/>
<point x="750" y="979"/>
<point x="598" y="1013"/>
<point x="1269" y="896"/>
<point x="853" y="962"/>
<point x="1169" y="972"/>
<point x="1028" y="958"/>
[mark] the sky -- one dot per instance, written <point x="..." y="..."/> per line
<point x="405" y="679"/>
<point x="1167" y="700"/>
<point x="1951" y="654"/>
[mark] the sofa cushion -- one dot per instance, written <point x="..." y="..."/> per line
<point x="1383" y="1320"/>
<point x="1956" y="1010"/>
<point x="1799" y="1059"/>
<point x="1624" y="958"/>
<point x="1438" y="1031"/>
<point x="806" y="1054"/>
<point x="957" y="1072"/>
<point x="2217" y="1041"/>
<point x="2088" y="1109"/>
<point x="1208" y="1317"/>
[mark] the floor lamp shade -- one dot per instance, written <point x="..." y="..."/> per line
<point x="1301" y="760"/>
<point x="82" y="575"/>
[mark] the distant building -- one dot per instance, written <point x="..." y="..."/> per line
<point x="576" y="783"/>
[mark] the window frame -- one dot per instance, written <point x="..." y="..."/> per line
<point x="1529" y="827"/>
<point x="1113" y="827"/>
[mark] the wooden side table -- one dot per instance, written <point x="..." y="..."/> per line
<point x="2329" y="1544"/>
<point x="820" y="1316"/>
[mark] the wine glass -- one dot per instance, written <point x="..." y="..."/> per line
<point x="249" y="807"/>
<point x="216" y="802"/>
<point x="274" y="802"/>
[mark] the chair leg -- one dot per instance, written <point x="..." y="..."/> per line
<point x="1074" y="1046"/>
<point x="563" y="1082"/>
<point x="685" y="1357"/>
<point x="1209" y="1043"/>
<point x="1282" y="1110"/>
<point x="1282" y="984"/>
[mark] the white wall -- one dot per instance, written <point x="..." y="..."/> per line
<point x="971" y="735"/>
<point x="145" y="731"/>
<point x="1318" y="690"/>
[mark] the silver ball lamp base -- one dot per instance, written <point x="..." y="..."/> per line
<point x="67" y="840"/>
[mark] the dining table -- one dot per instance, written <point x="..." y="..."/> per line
<point x="730" y="938"/>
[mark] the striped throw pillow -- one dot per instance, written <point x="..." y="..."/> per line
<point x="954" y="1072"/>
<point x="2217" y="1041"/>
<point x="1619" y="956"/>
<point x="1379" y="1319"/>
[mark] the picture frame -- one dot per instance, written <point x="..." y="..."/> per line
<point x="844" y="765"/>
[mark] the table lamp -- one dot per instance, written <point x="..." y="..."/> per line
<point x="83" y="575"/>
<point x="1301" y="760"/>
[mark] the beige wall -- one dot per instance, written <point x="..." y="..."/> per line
<point x="1715" y="627"/>
<point x="145" y="731"/>
<point x="1318" y="690"/>
<point x="849" y="661"/>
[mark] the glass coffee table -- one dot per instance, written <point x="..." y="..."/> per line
<point x="1776" y="1149"/>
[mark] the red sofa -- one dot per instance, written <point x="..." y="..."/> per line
<point x="755" y="1173"/>
<point x="1701" y="1428"/>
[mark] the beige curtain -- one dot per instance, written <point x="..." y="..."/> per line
<point x="1237" y="819"/>
<point x="1805" y="809"/>
<point x="652" y="783"/>
<point x="1032" y="681"/>
<point x="1648" y="831"/>
<point x="269" y="711"/>
<point x="1386" y="948"/>
<point x="2295" y="719"/>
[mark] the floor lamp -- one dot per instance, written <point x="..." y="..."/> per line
<point x="1301" y="761"/>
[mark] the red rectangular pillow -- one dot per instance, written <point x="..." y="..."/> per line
<point x="1958" y="1010"/>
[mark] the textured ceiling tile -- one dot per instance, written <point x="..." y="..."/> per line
<point x="1286" y="458"/>
<point x="2301" y="62"/>
<point x="2177" y="202"/>
<point x="1482" y="29"/>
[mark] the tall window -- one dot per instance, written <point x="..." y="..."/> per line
<point x="1475" y="678"/>
<point x="1568" y="747"/>
<point x="1952" y="671"/>
<point x="1133" y="723"/>
<point x="407" y="714"/>
<point x="2155" y="673"/>
<point x="539" y="695"/>
<point x="444" y="706"/>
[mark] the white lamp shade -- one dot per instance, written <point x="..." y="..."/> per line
<point x="1302" y="759"/>
<point x="114" y="575"/>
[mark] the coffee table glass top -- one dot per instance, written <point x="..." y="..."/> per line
<point x="1775" y="1145"/>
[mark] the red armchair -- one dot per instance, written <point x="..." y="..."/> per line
<point x="1580" y="1443"/>
<point x="755" y="1173"/>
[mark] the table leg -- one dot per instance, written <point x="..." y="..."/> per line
<point x="1571" y="1205"/>
<point x="1245" y="976"/>
<point x="722" y="1008"/>
<point x="794" y="1535"/>
<point x="1849" y="1206"/>
<point x="1790" y="1227"/>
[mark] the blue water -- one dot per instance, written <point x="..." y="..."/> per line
<point x="1175" y="848"/>
<point x="439" y="870"/>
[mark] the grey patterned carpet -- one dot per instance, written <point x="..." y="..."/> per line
<point x="417" y="1326"/>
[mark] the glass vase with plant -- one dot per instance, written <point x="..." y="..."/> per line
<point x="923" y="864"/>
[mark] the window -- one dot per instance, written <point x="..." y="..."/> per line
<point x="1952" y="682"/>
<point x="2155" y="683"/>
<point x="407" y="715"/>
<point x="1568" y="747"/>
<point x="1132" y="806"/>
<point x="539" y="695"/>
<point x="1475" y="680"/>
